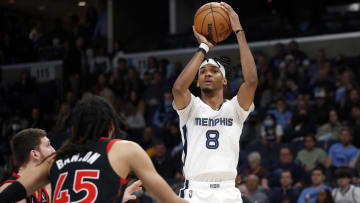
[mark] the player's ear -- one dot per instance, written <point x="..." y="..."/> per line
<point x="225" y="81"/>
<point x="34" y="154"/>
<point x="197" y="83"/>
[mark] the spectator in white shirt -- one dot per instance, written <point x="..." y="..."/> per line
<point x="346" y="192"/>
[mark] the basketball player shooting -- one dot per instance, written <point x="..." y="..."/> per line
<point x="210" y="126"/>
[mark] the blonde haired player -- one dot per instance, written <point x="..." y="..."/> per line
<point x="211" y="127"/>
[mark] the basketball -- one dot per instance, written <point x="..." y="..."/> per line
<point x="213" y="22"/>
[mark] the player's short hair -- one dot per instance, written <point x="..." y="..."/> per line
<point x="91" y="120"/>
<point x="23" y="142"/>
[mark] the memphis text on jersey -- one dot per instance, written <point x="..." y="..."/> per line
<point x="89" y="157"/>
<point x="213" y="122"/>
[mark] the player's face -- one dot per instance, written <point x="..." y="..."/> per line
<point x="45" y="148"/>
<point x="210" y="78"/>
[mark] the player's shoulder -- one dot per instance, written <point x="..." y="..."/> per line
<point x="4" y="186"/>
<point x="124" y="146"/>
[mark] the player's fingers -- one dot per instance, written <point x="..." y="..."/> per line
<point x="137" y="183"/>
<point x="227" y="6"/>
<point x="132" y="197"/>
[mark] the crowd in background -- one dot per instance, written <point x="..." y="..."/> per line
<point x="300" y="144"/>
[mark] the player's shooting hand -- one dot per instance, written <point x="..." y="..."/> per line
<point x="136" y="186"/>
<point x="201" y="39"/>
<point x="234" y="18"/>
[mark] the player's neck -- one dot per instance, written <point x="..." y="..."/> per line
<point x="214" y="100"/>
<point x="26" y="167"/>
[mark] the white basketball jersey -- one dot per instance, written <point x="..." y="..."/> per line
<point x="211" y="139"/>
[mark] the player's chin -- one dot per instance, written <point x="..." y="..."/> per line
<point x="207" y="90"/>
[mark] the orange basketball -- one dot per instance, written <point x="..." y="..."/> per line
<point x="213" y="22"/>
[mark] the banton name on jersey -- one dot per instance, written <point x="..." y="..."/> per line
<point x="213" y="122"/>
<point x="89" y="157"/>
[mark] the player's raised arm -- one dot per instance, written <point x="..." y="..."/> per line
<point x="138" y="161"/>
<point x="247" y="89"/>
<point x="30" y="181"/>
<point x="181" y="86"/>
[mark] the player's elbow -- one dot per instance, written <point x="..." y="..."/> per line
<point x="177" y="89"/>
<point x="252" y="81"/>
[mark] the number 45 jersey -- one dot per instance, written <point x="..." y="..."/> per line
<point x="87" y="178"/>
<point x="211" y="139"/>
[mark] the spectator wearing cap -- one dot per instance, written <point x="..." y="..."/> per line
<point x="311" y="156"/>
<point x="286" y="190"/>
<point x="346" y="192"/>
<point x="341" y="154"/>
<point x="270" y="129"/>
<point x="309" y="194"/>
<point x="283" y="116"/>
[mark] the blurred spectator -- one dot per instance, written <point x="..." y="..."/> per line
<point x="35" y="33"/>
<point x="344" y="85"/>
<point x="101" y="63"/>
<point x="147" y="141"/>
<point x="153" y="95"/>
<point x="165" y="111"/>
<point x="355" y="124"/>
<point x="286" y="190"/>
<point x="293" y="49"/>
<point x="100" y="85"/>
<point x="36" y="120"/>
<point x="309" y="194"/>
<point x="286" y="163"/>
<point x="256" y="194"/>
<point x="324" y="196"/>
<point x="283" y="116"/>
<point x="117" y="79"/>
<point x="278" y="57"/>
<point x="331" y="129"/>
<point x="162" y="162"/>
<point x="271" y="128"/>
<point x="301" y="124"/>
<point x="23" y="92"/>
<point x="322" y="106"/>
<point x="346" y="192"/>
<point x="311" y="156"/>
<point x="172" y="138"/>
<point x="133" y="82"/>
<point x="268" y="150"/>
<point x="341" y="154"/>
<point x="255" y="167"/>
<point x="134" y="116"/>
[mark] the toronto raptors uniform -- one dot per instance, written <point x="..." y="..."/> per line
<point x="40" y="196"/>
<point x="211" y="149"/>
<point x="87" y="178"/>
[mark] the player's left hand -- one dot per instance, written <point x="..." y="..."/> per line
<point x="136" y="186"/>
<point x="234" y="18"/>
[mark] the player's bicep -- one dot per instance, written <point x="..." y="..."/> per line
<point x="141" y="164"/>
<point x="246" y="95"/>
<point x="181" y="98"/>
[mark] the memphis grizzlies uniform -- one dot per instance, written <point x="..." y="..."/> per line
<point x="211" y="147"/>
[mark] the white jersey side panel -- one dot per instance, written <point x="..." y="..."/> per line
<point x="211" y="139"/>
